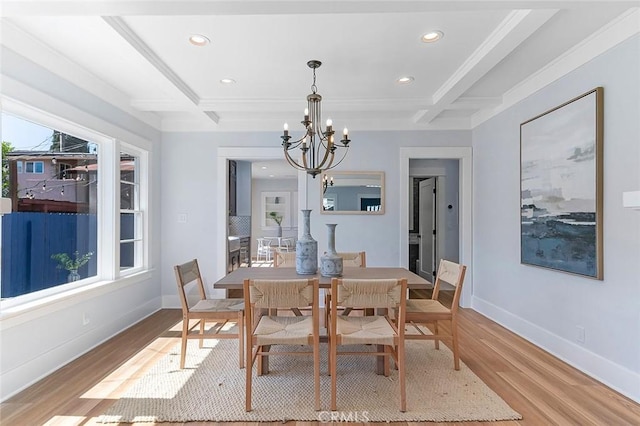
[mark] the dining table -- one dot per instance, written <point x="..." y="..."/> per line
<point x="234" y="282"/>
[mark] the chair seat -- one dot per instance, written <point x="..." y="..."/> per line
<point x="218" y="305"/>
<point x="272" y="330"/>
<point x="426" y="306"/>
<point x="364" y="330"/>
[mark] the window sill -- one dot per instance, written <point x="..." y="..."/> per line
<point x="19" y="313"/>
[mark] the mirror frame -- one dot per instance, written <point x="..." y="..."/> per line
<point x="347" y="174"/>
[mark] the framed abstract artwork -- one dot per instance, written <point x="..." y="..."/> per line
<point x="561" y="187"/>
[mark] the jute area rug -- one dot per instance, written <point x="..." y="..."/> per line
<point x="212" y="388"/>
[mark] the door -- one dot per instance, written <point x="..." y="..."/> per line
<point x="427" y="229"/>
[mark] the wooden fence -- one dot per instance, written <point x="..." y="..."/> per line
<point x="29" y="240"/>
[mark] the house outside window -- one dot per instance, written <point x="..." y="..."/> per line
<point x="19" y="166"/>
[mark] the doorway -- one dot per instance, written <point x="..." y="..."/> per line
<point x="458" y="211"/>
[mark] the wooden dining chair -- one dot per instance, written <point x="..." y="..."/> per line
<point x="349" y="259"/>
<point x="265" y="328"/>
<point x="220" y="311"/>
<point x="358" y="259"/>
<point x="431" y="311"/>
<point x="380" y="294"/>
<point x="284" y="259"/>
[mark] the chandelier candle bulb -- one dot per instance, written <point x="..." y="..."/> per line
<point x="286" y="129"/>
<point x="306" y="114"/>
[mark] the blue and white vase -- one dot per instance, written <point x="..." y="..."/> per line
<point x="330" y="263"/>
<point x="306" y="249"/>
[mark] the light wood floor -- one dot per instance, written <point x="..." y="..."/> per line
<point x="545" y="390"/>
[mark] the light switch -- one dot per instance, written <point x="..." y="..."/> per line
<point x="182" y="218"/>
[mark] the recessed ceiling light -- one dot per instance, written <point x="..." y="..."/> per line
<point x="264" y="167"/>
<point x="270" y="175"/>
<point x="227" y="81"/>
<point x="432" y="36"/>
<point x="405" y="80"/>
<point x="199" y="40"/>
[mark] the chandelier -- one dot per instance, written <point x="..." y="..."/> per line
<point x="317" y="146"/>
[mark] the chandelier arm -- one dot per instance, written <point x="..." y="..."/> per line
<point x="327" y="151"/>
<point x="292" y="162"/>
<point x="334" y="165"/>
<point x="295" y="144"/>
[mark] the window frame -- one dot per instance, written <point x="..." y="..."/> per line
<point x="141" y="193"/>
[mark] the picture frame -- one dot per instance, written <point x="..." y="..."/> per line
<point x="561" y="189"/>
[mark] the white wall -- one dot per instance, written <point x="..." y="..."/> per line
<point x="43" y="337"/>
<point x="545" y="306"/>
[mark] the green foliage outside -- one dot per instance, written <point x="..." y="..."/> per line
<point x="66" y="262"/>
<point x="6" y="148"/>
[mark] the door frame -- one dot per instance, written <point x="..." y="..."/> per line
<point x="465" y="225"/>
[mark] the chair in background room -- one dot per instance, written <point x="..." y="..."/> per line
<point x="267" y="329"/>
<point x="284" y="259"/>
<point x="206" y="310"/>
<point x="380" y="294"/>
<point x="430" y="311"/>
<point x="264" y="249"/>
<point x="287" y="244"/>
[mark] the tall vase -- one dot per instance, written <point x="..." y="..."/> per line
<point x="330" y="262"/>
<point x="306" y="249"/>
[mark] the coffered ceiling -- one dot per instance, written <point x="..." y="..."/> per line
<point x="137" y="55"/>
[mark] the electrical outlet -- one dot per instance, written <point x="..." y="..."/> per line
<point x="580" y="334"/>
<point x="86" y="319"/>
<point x="182" y="218"/>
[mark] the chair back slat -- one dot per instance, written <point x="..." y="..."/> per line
<point x="281" y="293"/>
<point x="357" y="259"/>
<point x="371" y="293"/>
<point x="284" y="259"/>
<point x="186" y="274"/>
<point x="449" y="272"/>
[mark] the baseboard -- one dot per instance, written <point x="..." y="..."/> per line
<point x="609" y="373"/>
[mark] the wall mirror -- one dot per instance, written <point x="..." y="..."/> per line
<point x="352" y="193"/>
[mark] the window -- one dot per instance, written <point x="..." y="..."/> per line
<point x="51" y="243"/>
<point x="131" y="214"/>
<point x="34" y="167"/>
<point x="51" y="238"/>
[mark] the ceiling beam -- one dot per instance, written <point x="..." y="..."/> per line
<point x="508" y="35"/>
<point x="118" y="24"/>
